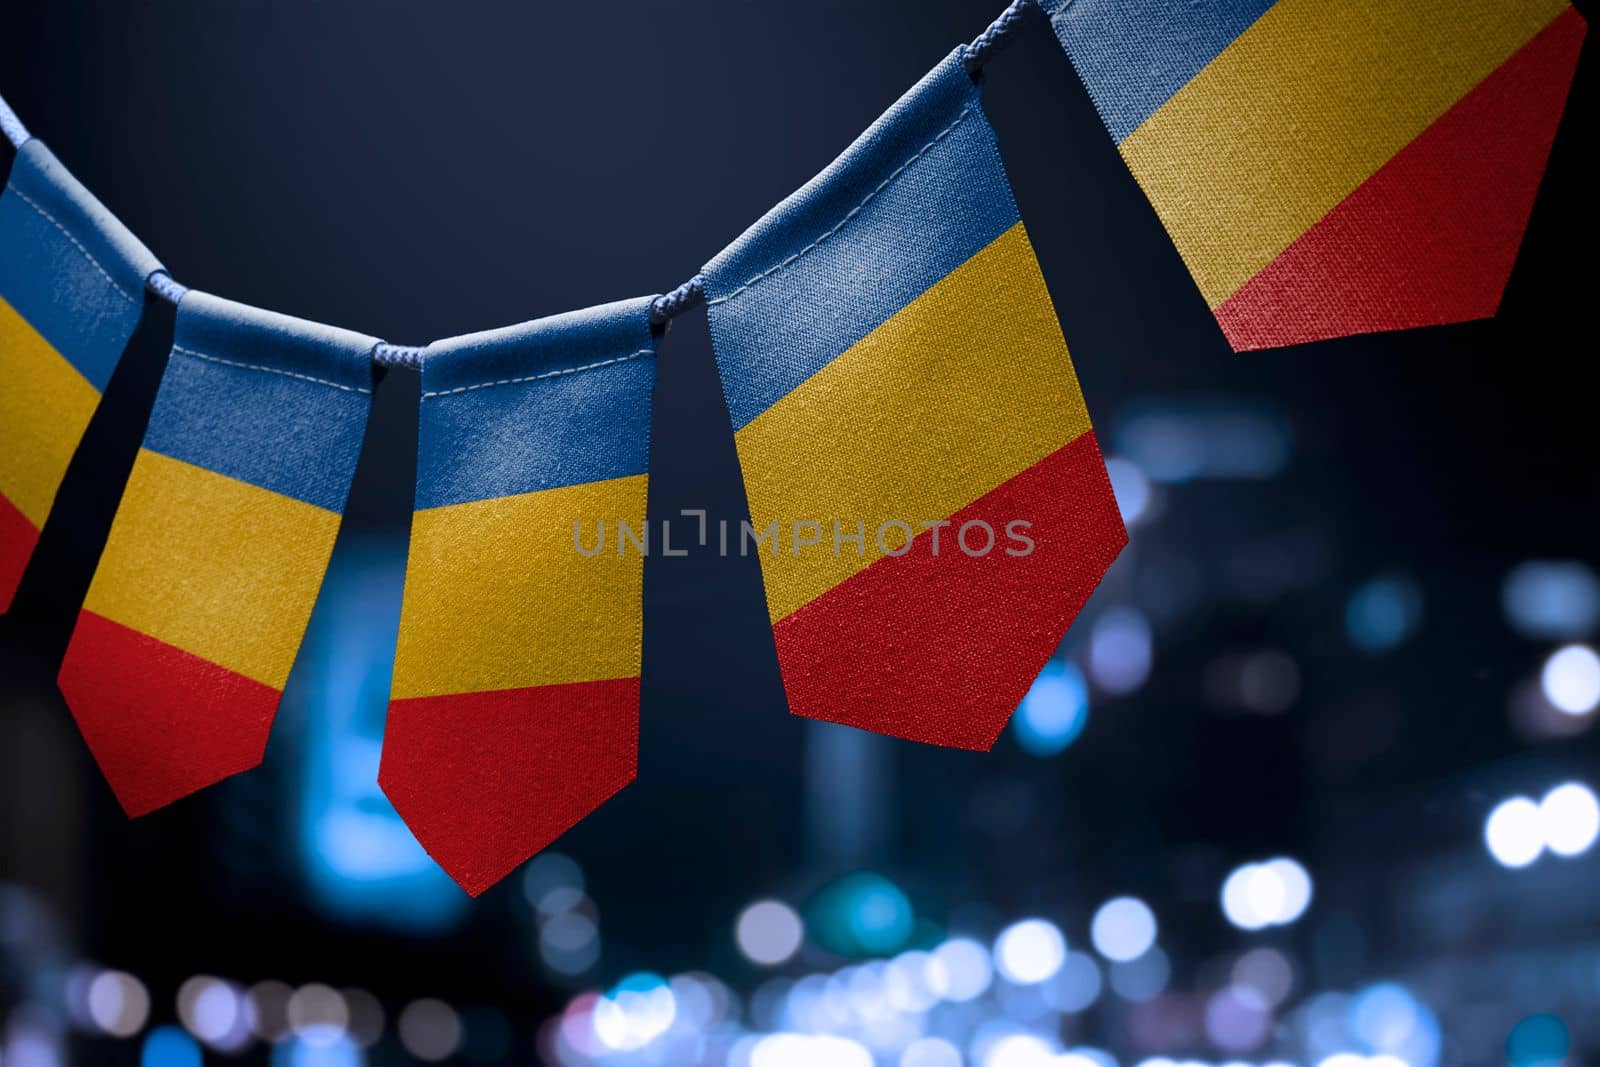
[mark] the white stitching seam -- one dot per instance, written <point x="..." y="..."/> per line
<point x="26" y="199"/>
<point x="192" y="354"/>
<point x="853" y="212"/>
<point x="539" y="377"/>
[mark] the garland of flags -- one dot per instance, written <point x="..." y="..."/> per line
<point x="891" y="363"/>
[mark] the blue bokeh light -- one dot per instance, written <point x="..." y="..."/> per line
<point x="860" y="915"/>
<point x="1552" y="600"/>
<point x="168" y="1046"/>
<point x="359" y="859"/>
<point x="1538" y="1041"/>
<point x="1054" y="712"/>
<point x="1383" y="613"/>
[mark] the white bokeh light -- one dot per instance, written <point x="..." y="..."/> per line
<point x="1030" y="951"/>
<point x="1569" y="817"/>
<point x="1019" y="1050"/>
<point x="1274" y="893"/>
<point x="1571" y="679"/>
<point x="1514" y="832"/>
<point x="963" y="969"/>
<point x="930" y="1052"/>
<point x="1123" y="929"/>
<point x="118" y="1003"/>
<point x="1296" y="886"/>
<point x="769" y="932"/>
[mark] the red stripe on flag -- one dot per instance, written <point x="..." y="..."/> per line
<point x="486" y="780"/>
<point x="941" y="648"/>
<point x="17" y="538"/>
<point x="161" y="722"/>
<point x="1432" y="236"/>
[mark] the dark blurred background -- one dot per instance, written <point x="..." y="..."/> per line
<point x="1285" y="741"/>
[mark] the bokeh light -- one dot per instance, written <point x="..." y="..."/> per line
<point x="1131" y="487"/>
<point x="1030" y="951"/>
<point x="169" y="1046"/>
<point x="1552" y="600"/>
<point x="1123" y="929"/>
<point x="1274" y="893"/>
<point x="769" y="932"/>
<point x="967" y="971"/>
<point x="1539" y="1041"/>
<point x="1569" y="817"/>
<point x="429" y="1029"/>
<point x="1514" y="832"/>
<point x="1571" y="679"/>
<point x="1120" y="650"/>
<point x="1383" y="613"/>
<point x="930" y="1052"/>
<point x="1054" y="711"/>
<point x="118" y="1003"/>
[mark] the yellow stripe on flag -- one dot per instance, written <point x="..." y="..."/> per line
<point x="45" y="405"/>
<point x="498" y="597"/>
<point x="1301" y="109"/>
<point x="220" y="568"/>
<point x="960" y="390"/>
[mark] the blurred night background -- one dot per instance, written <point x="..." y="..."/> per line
<point x="1310" y="782"/>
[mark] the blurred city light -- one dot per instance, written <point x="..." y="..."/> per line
<point x="1123" y="929"/>
<point x="1018" y="1050"/>
<point x="269" y="1009"/>
<point x="1030" y="951"/>
<point x="359" y="859"/>
<point x="1274" y="893"/>
<point x="1566" y="821"/>
<point x="1077" y="985"/>
<point x="1514" y="832"/>
<point x="639" y="1009"/>
<point x="168" y="1046"/>
<point x="1237" y="1018"/>
<point x="1120" y="650"/>
<point x="806" y="1050"/>
<point x="967" y="972"/>
<point x="861" y="915"/>
<point x="1054" y="711"/>
<point x="1176" y="444"/>
<point x="552" y="883"/>
<point x="1267" y="971"/>
<point x="1569" y="817"/>
<point x="1550" y="600"/>
<point x="318" y="1014"/>
<point x="1571" y="679"/>
<point x="430" y="1030"/>
<point x="297" y="1053"/>
<point x="366" y="1017"/>
<point x="1383" y="613"/>
<point x="1131" y="487"/>
<point x="1142" y="979"/>
<point x="118" y="1003"/>
<point x="930" y="1052"/>
<point x="769" y="932"/>
<point x="215" y="1012"/>
<point x="1539" y="1041"/>
<point x="1390" y="1021"/>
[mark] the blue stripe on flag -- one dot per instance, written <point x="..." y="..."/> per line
<point x="70" y="268"/>
<point x="1133" y="55"/>
<point x="265" y="398"/>
<point x="516" y="410"/>
<point x="913" y="198"/>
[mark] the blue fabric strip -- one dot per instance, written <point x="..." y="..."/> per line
<point x="264" y="398"/>
<point x="913" y="198"/>
<point x="1133" y="55"/>
<point x="68" y="266"/>
<point x="555" y="402"/>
